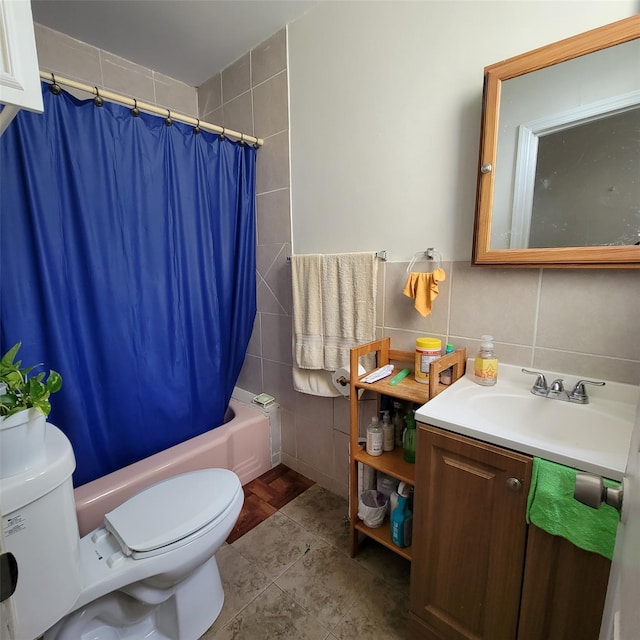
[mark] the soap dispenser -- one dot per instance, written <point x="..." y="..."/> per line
<point x="486" y="363"/>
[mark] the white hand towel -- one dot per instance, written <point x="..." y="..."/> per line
<point x="306" y="273"/>
<point x="334" y="309"/>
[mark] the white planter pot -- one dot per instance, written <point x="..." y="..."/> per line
<point x="21" y="442"/>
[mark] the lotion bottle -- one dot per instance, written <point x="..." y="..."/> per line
<point x="374" y="438"/>
<point x="486" y="363"/>
<point x="388" y="433"/>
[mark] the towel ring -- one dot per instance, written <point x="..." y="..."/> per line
<point x="430" y="255"/>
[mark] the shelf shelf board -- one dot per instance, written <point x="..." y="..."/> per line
<point x="391" y="463"/>
<point x="383" y="536"/>
<point x="407" y="389"/>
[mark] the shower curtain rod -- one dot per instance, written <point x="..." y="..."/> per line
<point x="150" y="108"/>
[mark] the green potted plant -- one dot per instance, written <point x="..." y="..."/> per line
<point x="24" y="406"/>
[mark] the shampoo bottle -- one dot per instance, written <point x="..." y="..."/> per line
<point x="486" y="363"/>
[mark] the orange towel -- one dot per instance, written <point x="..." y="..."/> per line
<point x="423" y="288"/>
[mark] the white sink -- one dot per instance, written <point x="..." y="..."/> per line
<point x="594" y="437"/>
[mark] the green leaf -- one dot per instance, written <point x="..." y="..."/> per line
<point x="7" y="402"/>
<point x="36" y="390"/>
<point x="9" y="357"/>
<point x="54" y="381"/>
<point x="43" y="406"/>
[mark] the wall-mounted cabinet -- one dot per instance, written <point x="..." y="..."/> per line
<point x="19" y="73"/>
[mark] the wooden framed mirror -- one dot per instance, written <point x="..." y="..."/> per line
<point x="559" y="167"/>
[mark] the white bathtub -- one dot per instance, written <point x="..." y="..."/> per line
<point x="242" y="445"/>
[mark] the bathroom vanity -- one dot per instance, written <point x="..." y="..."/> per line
<point x="479" y="570"/>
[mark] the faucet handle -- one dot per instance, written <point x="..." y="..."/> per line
<point x="579" y="393"/>
<point x="540" y="385"/>
<point x="557" y="385"/>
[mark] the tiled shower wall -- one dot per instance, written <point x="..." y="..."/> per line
<point x="581" y="322"/>
<point x="70" y="58"/>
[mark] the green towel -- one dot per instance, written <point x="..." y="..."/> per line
<point x="552" y="507"/>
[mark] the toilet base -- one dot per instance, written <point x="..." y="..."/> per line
<point x="191" y="607"/>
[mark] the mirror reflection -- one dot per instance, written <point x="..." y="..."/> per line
<point x="567" y="169"/>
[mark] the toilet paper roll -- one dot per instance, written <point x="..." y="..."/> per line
<point x="341" y="377"/>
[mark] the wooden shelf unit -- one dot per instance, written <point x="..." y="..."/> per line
<point x="391" y="463"/>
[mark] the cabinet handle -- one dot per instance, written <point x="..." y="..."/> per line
<point x="514" y="484"/>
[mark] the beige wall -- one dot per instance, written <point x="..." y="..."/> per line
<point x="580" y="322"/>
<point x="356" y="88"/>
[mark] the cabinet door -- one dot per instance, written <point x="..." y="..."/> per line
<point x="19" y="74"/>
<point x="564" y="590"/>
<point x="469" y="538"/>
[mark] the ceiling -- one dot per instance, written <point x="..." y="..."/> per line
<point x="189" y="40"/>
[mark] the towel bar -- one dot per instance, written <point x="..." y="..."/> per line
<point x="381" y="255"/>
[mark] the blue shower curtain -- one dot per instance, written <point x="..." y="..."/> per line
<point x="127" y="263"/>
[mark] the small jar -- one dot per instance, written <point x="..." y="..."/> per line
<point x="427" y="350"/>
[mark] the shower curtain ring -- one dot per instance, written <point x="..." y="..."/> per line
<point x="222" y="136"/>
<point x="197" y="128"/>
<point x="168" y="121"/>
<point x="98" y="101"/>
<point x="135" y="112"/>
<point x="242" y="142"/>
<point x="54" y="87"/>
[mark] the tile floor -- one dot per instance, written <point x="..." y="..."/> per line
<point x="290" y="577"/>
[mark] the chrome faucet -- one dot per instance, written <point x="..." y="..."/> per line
<point x="557" y="391"/>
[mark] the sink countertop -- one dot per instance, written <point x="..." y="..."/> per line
<point x="593" y="437"/>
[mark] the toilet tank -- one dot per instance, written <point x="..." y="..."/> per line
<point x="40" y="529"/>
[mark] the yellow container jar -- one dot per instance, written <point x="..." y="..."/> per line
<point x="427" y="350"/>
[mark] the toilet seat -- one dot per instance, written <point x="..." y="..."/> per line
<point x="169" y="513"/>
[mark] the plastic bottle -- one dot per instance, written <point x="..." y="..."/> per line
<point x="486" y="363"/>
<point x="388" y="433"/>
<point x="398" y="422"/>
<point x="427" y="350"/>
<point x="409" y="438"/>
<point x="401" y="523"/>
<point x="445" y="376"/>
<point x="374" y="438"/>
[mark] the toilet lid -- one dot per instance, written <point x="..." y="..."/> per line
<point x="172" y="509"/>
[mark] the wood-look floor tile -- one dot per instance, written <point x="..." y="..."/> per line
<point x="265" y="495"/>
<point x="254" y="511"/>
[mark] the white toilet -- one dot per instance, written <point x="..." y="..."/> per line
<point x="148" y="572"/>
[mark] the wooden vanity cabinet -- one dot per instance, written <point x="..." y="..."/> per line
<point x="479" y="571"/>
<point x="469" y="538"/>
<point x="564" y="590"/>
